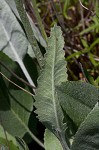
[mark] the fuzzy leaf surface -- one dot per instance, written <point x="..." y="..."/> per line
<point x="87" y="136"/>
<point x="48" y="108"/>
<point x="77" y="99"/>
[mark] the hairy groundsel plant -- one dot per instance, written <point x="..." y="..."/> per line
<point x="68" y="109"/>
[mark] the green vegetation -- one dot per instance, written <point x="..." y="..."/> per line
<point x="40" y="108"/>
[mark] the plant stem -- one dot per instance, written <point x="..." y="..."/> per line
<point x="36" y="139"/>
<point x="16" y="84"/>
<point x="16" y="76"/>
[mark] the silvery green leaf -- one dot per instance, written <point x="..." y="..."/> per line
<point x="13" y="42"/>
<point x="12" y="5"/>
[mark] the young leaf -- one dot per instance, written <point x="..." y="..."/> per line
<point x="77" y="99"/>
<point x="51" y="141"/>
<point x="87" y="136"/>
<point x="48" y="108"/>
<point x="13" y="42"/>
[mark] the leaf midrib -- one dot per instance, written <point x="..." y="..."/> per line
<point x="17" y="57"/>
<point x="25" y="126"/>
<point x="8" y="39"/>
<point x="53" y="85"/>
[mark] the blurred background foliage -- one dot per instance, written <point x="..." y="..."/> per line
<point x="80" y="28"/>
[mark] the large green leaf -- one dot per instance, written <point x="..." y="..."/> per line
<point x="15" y="110"/>
<point x="13" y="120"/>
<point x="87" y="137"/>
<point x="13" y="42"/>
<point x="48" y="108"/>
<point x="51" y="142"/>
<point x="77" y="99"/>
<point x="9" y="142"/>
